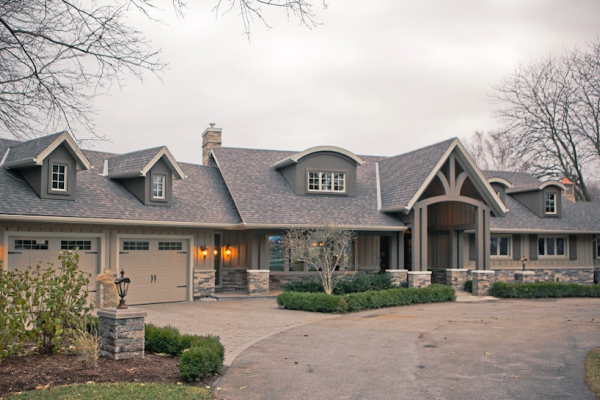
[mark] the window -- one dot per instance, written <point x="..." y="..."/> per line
<point x="550" y="203"/>
<point x="597" y="241"/>
<point x="276" y="254"/>
<point x="59" y="177"/>
<point x="500" y="246"/>
<point x="158" y="186"/>
<point x="552" y="246"/>
<point x="280" y="258"/>
<point x="29" y="244"/>
<point x="327" y="182"/>
<point x="75" y="244"/>
<point x="135" y="245"/>
<point x="170" y="245"/>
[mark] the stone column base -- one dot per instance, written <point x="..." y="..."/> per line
<point x="457" y="278"/>
<point x="204" y="283"/>
<point x="524" y="277"/>
<point x="258" y="282"/>
<point x="398" y="276"/>
<point x="419" y="279"/>
<point x="121" y="333"/>
<point x="482" y="281"/>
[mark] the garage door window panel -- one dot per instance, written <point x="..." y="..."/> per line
<point x="136" y="246"/>
<point x="170" y="246"/>
<point x="76" y="245"/>
<point x="31" y="244"/>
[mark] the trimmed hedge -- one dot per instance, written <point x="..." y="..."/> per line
<point x="321" y="302"/>
<point x="355" y="283"/>
<point x="469" y="286"/>
<point x="543" y="289"/>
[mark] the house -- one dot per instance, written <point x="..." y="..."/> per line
<point x="182" y="231"/>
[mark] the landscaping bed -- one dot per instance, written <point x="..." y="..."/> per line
<point x="37" y="371"/>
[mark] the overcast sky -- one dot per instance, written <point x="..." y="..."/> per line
<point x="377" y="77"/>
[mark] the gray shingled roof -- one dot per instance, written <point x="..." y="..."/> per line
<point x="263" y="195"/>
<point x="131" y="162"/>
<point x="30" y="149"/>
<point x="401" y="176"/>
<point x="519" y="180"/>
<point x="202" y="198"/>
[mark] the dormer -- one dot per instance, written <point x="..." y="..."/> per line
<point x="148" y="174"/>
<point x="49" y="164"/>
<point x="322" y="170"/>
<point x="500" y="186"/>
<point x="544" y="200"/>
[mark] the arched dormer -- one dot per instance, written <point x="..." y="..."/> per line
<point x="322" y="170"/>
<point x="500" y="185"/>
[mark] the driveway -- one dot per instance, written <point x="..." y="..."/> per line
<point x="239" y="324"/>
<point x="509" y="349"/>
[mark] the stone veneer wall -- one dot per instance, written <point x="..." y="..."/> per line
<point x="258" y="282"/>
<point x="438" y="276"/>
<point x="419" y="279"/>
<point x="235" y="279"/>
<point x="204" y="283"/>
<point x="397" y="276"/>
<point x="457" y="278"/>
<point x="121" y="333"/>
<point x="276" y="281"/>
<point x="583" y="275"/>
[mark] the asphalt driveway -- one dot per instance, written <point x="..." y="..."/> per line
<point x="510" y="349"/>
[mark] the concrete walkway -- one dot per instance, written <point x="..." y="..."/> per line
<point x="239" y="324"/>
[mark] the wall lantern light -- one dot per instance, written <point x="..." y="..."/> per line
<point x="524" y="262"/>
<point x="122" y="284"/>
<point x="216" y="251"/>
<point x="228" y="250"/>
<point x="204" y="250"/>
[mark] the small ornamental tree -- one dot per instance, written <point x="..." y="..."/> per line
<point x="322" y="248"/>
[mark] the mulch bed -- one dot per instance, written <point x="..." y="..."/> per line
<point x="37" y="371"/>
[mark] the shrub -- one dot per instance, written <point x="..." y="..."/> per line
<point x="321" y="302"/>
<point x="355" y="283"/>
<point x="469" y="286"/>
<point x="14" y="311"/>
<point x="543" y="289"/>
<point x="189" y="341"/>
<point x="166" y="339"/>
<point x="203" y="359"/>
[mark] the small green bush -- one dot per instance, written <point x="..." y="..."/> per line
<point x="203" y="359"/>
<point x="469" y="286"/>
<point x="189" y="341"/>
<point x="321" y="302"/>
<point x="355" y="283"/>
<point x="166" y="339"/>
<point x="543" y="289"/>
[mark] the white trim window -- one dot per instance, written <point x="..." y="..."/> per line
<point x="550" y="203"/>
<point x="500" y="246"/>
<point x="59" y="177"/>
<point x="552" y="246"/>
<point x="333" y="182"/>
<point x="158" y="186"/>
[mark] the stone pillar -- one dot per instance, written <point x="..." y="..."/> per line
<point x="524" y="276"/>
<point x="397" y="276"/>
<point x="258" y="282"/>
<point x="456" y="278"/>
<point x="204" y="283"/>
<point x="121" y="333"/>
<point x="482" y="281"/>
<point x="419" y="279"/>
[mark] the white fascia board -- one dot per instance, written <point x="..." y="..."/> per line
<point x="82" y="162"/>
<point x="552" y="183"/>
<point x="178" y="172"/>
<point x="501" y="181"/>
<point x="349" y="226"/>
<point x="543" y="231"/>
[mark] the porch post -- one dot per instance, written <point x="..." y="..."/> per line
<point x="416" y="239"/>
<point x="460" y="237"/>
<point x="393" y="256"/>
<point x="424" y="253"/>
<point x="401" y="250"/>
<point x="255" y="252"/>
<point x="454" y="249"/>
<point x="479" y="237"/>
<point x="486" y="240"/>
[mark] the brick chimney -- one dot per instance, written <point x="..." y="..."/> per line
<point x="211" y="137"/>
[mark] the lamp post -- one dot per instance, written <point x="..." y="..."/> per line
<point x="122" y="284"/>
<point x="524" y="262"/>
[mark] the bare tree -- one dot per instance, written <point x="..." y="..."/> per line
<point x="491" y="151"/>
<point x="56" y="56"/>
<point x="322" y="248"/>
<point x="549" y="112"/>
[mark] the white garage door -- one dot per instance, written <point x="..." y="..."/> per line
<point x="24" y="251"/>
<point x="157" y="269"/>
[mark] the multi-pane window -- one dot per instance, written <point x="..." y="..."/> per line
<point x="550" y="203"/>
<point x="75" y="244"/>
<point x="158" y="186"/>
<point x="170" y="245"/>
<point x="327" y="182"/>
<point x="136" y="245"/>
<point x="59" y="177"/>
<point x="500" y="246"/>
<point x="552" y="246"/>
<point x="280" y="258"/>
<point x="31" y="244"/>
<point x="276" y="253"/>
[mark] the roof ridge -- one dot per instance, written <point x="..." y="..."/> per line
<point x="420" y="149"/>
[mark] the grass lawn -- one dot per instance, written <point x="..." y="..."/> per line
<point x="121" y="391"/>
<point x="592" y="370"/>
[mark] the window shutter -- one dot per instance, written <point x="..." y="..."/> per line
<point x="516" y="245"/>
<point x="472" y="248"/>
<point x="572" y="247"/>
<point x="533" y="251"/>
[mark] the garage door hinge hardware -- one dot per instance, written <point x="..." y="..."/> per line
<point x="91" y="252"/>
<point x="123" y="252"/>
<point x="14" y="252"/>
<point x="182" y="286"/>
